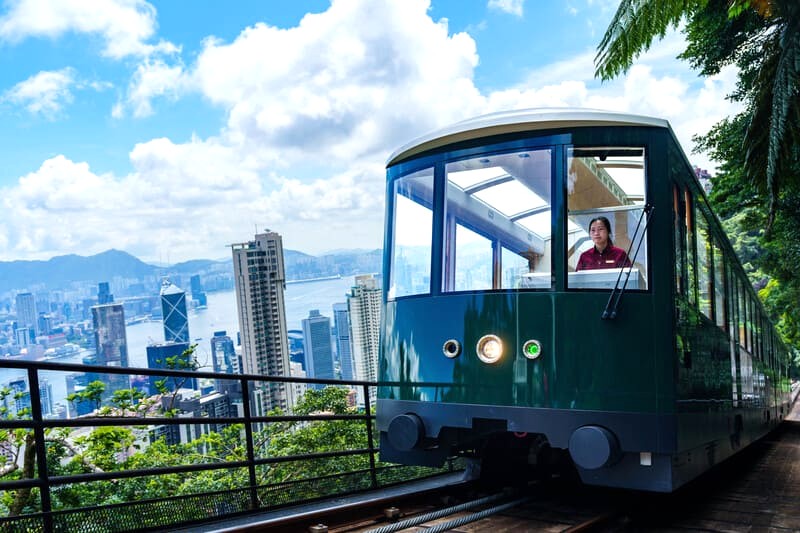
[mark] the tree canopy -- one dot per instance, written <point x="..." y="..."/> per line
<point x="760" y="37"/>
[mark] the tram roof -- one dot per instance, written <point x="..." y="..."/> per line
<point x="518" y="121"/>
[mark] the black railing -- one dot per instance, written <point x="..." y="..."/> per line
<point x="248" y="486"/>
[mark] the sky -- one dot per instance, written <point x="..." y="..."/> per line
<point x="172" y="129"/>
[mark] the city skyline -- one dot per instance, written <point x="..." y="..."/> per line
<point x="142" y="125"/>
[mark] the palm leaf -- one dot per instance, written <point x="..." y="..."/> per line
<point x="774" y="122"/>
<point x="633" y="28"/>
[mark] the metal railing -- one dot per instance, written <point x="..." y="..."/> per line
<point x="247" y="495"/>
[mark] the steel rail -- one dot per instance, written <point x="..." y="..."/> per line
<point x="427" y="517"/>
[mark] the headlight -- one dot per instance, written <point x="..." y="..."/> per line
<point x="532" y="349"/>
<point x="451" y="348"/>
<point x="490" y="348"/>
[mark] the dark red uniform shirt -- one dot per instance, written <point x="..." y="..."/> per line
<point x="611" y="257"/>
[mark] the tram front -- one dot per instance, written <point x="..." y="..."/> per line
<point x="493" y="328"/>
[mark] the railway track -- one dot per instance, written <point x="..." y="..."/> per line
<point x="756" y="490"/>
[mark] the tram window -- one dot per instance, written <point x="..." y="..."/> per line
<point x="740" y="313"/>
<point x="719" y="287"/>
<point x="732" y="309"/>
<point x="690" y="242"/>
<point x="704" y="278"/>
<point x="412" y="230"/>
<point x="606" y="182"/>
<point x="677" y="239"/>
<point x="751" y="325"/>
<point x="498" y="222"/>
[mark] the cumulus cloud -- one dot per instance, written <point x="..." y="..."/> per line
<point x="47" y="93"/>
<point x="342" y="84"/>
<point x="512" y="7"/>
<point x="312" y="112"/>
<point x="44" y="93"/>
<point x="124" y="25"/>
<point x="152" y="78"/>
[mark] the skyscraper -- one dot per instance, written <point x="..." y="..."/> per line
<point x="364" y="305"/>
<point x="341" y="323"/>
<point x="198" y="295"/>
<point x="26" y="312"/>
<point x="318" y="348"/>
<point x="104" y="295"/>
<point x="260" y="282"/>
<point x="112" y="343"/>
<point x="173" y="308"/>
<point x="223" y="353"/>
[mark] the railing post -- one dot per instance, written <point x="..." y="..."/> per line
<point x="41" y="459"/>
<point x="248" y="436"/>
<point x="370" y="438"/>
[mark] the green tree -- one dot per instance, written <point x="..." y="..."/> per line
<point x="93" y="393"/>
<point x="301" y="438"/>
<point x="762" y="37"/>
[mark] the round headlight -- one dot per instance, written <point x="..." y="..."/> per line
<point x="490" y="349"/>
<point x="451" y="348"/>
<point x="532" y="349"/>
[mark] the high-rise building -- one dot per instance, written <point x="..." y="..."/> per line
<point x="157" y="357"/>
<point x="223" y="354"/>
<point x="104" y="295"/>
<point x="318" y="347"/>
<point x="112" y="344"/>
<point x="45" y="324"/>
<point x="173" y="309"/>
<point x="198" y="295"/>
<point x="26" y="312"/>
<point x="344" y="352"/>
<point x="297" y="352"/>
<point x="364" y="305"/>
<point x="260" y="282"/>
<point x="23" y="337"/>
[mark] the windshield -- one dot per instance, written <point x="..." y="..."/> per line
<point x="605" y="199"/>
<point x="494" y="222"/>
<point x="497" y="222"/>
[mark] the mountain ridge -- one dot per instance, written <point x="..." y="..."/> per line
<point x="60" y="272"/>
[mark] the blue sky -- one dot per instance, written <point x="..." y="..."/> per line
<point x="171" y="129"/>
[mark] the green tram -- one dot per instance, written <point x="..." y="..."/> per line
<point x="496" y="345"/>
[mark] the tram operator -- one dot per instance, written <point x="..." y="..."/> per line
<point x="603" y="254"/>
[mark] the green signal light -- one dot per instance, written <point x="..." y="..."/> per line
<point x="532" y="349"/>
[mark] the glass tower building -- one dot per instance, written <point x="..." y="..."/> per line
<point x="318" y="346"/>
<point x="173" y="308"/>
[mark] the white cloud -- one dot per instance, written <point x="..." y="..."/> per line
<point x="44" y="93"/>
<point x="153" y="78"/>
<point x="342" y="84"/>
<point x="124" y="25"/>
<point x="312" y="113"/>
<point x="512" y="7"/>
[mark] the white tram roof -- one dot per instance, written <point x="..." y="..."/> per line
<point x="517" y="121"/>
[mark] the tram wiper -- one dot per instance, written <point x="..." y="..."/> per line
<point x="610" y="312"/>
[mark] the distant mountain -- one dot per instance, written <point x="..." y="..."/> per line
<point x="60" y="272"/>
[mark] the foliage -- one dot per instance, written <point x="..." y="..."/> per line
<point x="761" y="37"/>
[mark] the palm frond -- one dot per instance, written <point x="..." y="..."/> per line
<point x="774" y="123"/>
<point x="633" y="28"/>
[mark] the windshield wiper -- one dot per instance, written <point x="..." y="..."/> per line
<point x="610" y="312"/>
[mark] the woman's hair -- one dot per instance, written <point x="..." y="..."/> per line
<point x="606" y="223"/>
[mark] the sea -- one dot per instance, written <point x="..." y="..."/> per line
<point x="219" y="315"/>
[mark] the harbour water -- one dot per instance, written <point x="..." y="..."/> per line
<point x="220" y="314"/>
